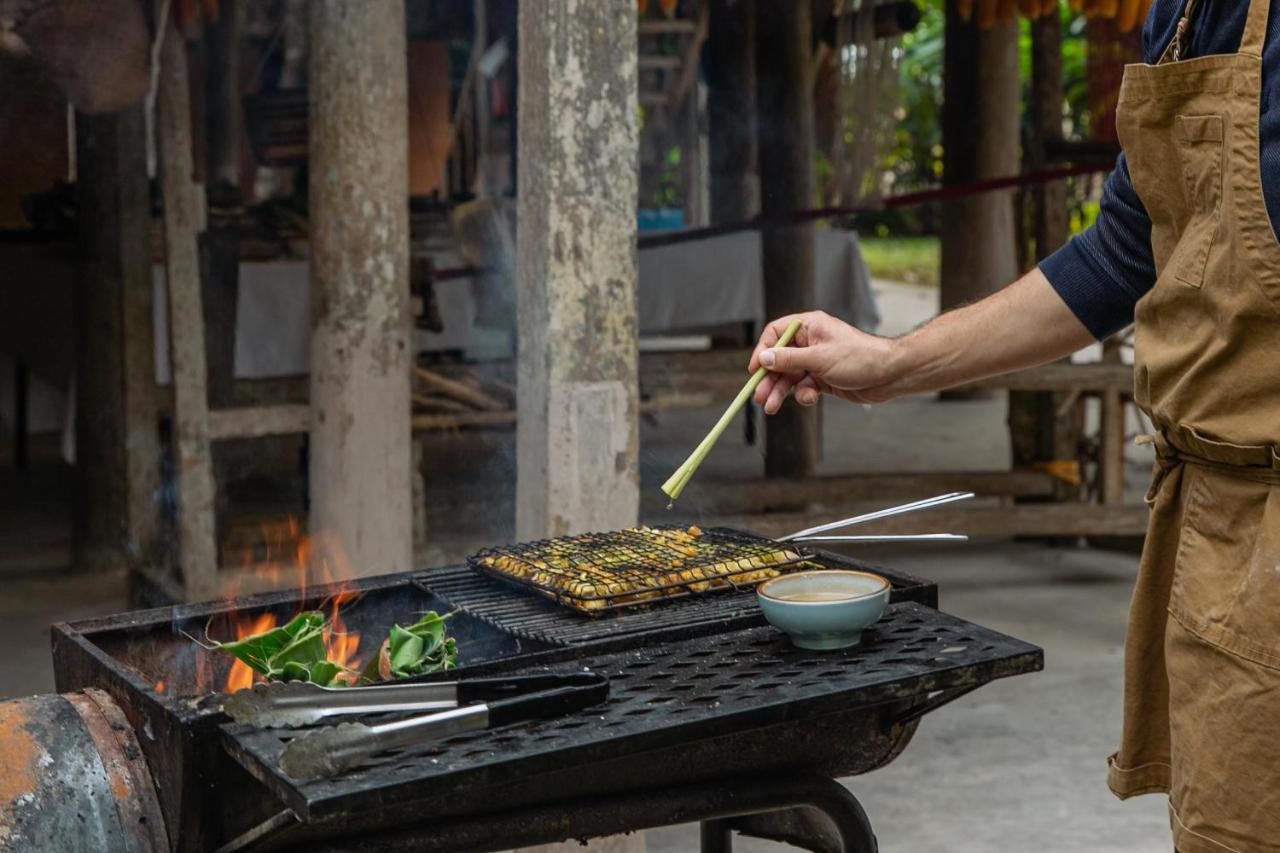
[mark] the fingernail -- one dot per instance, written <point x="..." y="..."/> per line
<point x="766" y="358"/>
<point x="808" y="397"/>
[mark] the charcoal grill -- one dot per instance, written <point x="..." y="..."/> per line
<point x="712" y="716"/>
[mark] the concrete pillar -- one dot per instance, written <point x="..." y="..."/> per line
<point x="117" y="443"/>
<point x="784" y="129"/>
<point x="361" y="348"/>
<point x="576" y="268"/>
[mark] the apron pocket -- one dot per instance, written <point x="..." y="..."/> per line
<point x="1226" y="576"/>
<point x="1200" y="145"/>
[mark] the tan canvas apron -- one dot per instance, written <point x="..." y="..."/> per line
<point x="1202" y="656"/>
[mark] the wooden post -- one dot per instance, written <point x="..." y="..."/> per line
<point x="785" y="132"/>
<point x="222" y="122"/>
<point x="361" y="345"/>
<point x="980" y="140"/>
<point x="577" y="436"/>
<point x="1043" y="425"/>
<point x="731" y="110"/>
<point x="117" y="444"/>
<point x="183" y="217"/>
<point x="1111" y="435"/>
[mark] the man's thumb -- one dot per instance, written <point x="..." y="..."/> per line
<point x="790" y="359"/>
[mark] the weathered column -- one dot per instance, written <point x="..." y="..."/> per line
<point x="731" y="110"/>
<point x="784" y="129"/>
<point x="361" y="348"/>
<point x="117" y="445"/>
<point x="183" y="221"/>
<point x="577" y="436"/>
<point x="980" y="140"/>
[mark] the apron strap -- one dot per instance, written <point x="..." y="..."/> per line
<point x="1177" y="45"/>
<point x="1255" y="28"/>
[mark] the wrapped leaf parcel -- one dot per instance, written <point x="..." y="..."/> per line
<point x="419" y="649"/>
<point x="291" y="652"/>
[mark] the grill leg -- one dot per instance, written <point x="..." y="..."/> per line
<point x="717" y="837"/>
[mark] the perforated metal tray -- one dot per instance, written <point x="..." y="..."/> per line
<point x="712" y="692"/>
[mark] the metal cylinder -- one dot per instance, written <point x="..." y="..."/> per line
<point x="72" y="778"/>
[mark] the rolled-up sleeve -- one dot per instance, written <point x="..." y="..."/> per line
<point x="1103" y="272"/>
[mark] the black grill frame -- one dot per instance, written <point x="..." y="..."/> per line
<point x="672" y="696"/>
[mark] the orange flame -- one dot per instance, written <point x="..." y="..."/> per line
<point x="307" y="562"/>
<point x="241" y="676"/>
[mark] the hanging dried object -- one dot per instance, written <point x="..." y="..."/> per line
<point x="1125" y="13"/>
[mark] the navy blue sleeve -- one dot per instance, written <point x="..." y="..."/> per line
<point x="1103" y="272"/>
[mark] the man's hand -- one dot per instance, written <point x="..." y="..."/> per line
<point x="1023" y="325"/>
<point x="827" y="356"/>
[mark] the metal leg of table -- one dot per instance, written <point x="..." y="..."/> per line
<point x="717" y="837"/>
<point x="809" y="811"/>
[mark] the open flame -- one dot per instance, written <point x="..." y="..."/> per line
<point x="309" y="560"/>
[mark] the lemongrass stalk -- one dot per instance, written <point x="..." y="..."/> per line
<point x="676" y="482"/>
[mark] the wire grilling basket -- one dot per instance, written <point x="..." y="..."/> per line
<point x="595" y="572"/>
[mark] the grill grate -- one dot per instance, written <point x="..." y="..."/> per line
<point x="667" y="696"/>
<point x="593" y="572"/>
<point x="537" y="618"/>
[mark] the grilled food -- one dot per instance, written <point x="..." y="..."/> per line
<point x="598" y="571"/>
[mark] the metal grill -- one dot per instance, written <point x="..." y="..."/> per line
<point x="593" y="572"/>
<point x="671" y="696"/>
<point x="536" y="618"/>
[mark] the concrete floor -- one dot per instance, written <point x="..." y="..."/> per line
<point x="1016" y="766"/>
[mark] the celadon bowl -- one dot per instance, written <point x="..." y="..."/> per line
<point x="824" y="610"/>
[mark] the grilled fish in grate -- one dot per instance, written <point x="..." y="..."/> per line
<point x="599" y="571"/>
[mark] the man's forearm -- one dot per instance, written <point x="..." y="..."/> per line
<point x="1025" y="324"/>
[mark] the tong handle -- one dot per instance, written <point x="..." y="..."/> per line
<point x="549" y="704"/>
<point x="512" y="687"/>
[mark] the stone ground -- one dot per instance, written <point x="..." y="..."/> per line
<point x="1016" y="766"/>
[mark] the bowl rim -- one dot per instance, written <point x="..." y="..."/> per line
<point x="762" y="589"/>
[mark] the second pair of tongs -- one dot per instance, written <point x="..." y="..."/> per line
<point x="329" y="750"/>
<point x="814" y="534"/>
<point x="294" y="704"/>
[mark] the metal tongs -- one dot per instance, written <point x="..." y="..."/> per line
<point x="812" y="534"/>
<point x="460" y="706"/>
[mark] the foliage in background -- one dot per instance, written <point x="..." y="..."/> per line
<point x="915" y="159"/>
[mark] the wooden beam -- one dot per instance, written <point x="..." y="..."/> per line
<point x="835" y="492"/>
<point x="662" y="61"/>
<point x="1095" y="377"/>
<point x="726" y="368"/>
<point x="197" y="555"/>
<point x="460" y="391"/>
<point x="660" y="27"/>
<point x="259" y="421"/>
<point x="1047" y="520"/>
